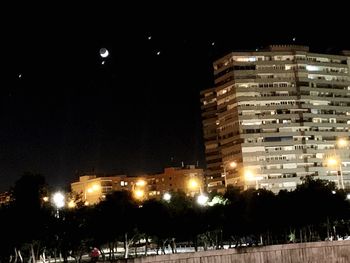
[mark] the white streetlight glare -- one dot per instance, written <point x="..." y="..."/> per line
<point x="58" y="200"/>
<point x="166" y="197"/>
<point x="348" y="196"/>
<point x="202" y="199"/>
<point x="332" y="162"/>
<point x="342" y="142"/>
<point x="249" y="176"/>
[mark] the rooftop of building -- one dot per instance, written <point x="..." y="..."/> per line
<point x="94" y="176"/>
<point x="286" y="49"/>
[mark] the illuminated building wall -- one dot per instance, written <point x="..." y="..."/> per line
<point x="93" y="189"/>
<point x="277" y="113"/>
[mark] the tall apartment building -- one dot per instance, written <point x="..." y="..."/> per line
<point x="277" y="114"/>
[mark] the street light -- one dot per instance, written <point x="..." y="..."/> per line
<point x="202" y="199"/>
<point x="250" y="176"/>
<point x="166" y="197"/>
<point x="139" y="194"/>
<point x="192" y="183"/>
<point x="91" y="190"/>
<point x="335" y="160"/>
<point x="58" y="200"/>
<point x="138" y="189"/>
<point x="342" y="142"/>
<point x="232" y="165"/>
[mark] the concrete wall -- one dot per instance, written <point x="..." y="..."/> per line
<point x="316" y="252"/>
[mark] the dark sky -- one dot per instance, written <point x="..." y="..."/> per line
<point x="139" y="110"/>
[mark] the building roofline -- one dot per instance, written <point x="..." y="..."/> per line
<point x="282" y="48"/>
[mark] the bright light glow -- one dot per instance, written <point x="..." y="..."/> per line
<point x="71" y="204"/>
<point x="58" y="200"/>
<point x="90" y="190"/>
<point x="166" y="197"/>
<point x="104" y="52"/>
<point x="342" y="142"/>
<point x="193" y="184"/>
<point x="233" y="164"/>
<point x="95" y="187"/>
<point x="348" y="196"/>
<point x="249" y="176"/>
<point x="202" y="199"/>
<point x="86" y="203"/>
<point x="217" y="200"/>
<point x="246" y="59"/>
<point x="332" y="162"/>
<point x="45" y="199"/>
<point x="333" y="192"/>
<point x="139" y="194"/>
<point x="158" y="53"/>
<point x="141" y="183"/>
<point x="312" y="68"/>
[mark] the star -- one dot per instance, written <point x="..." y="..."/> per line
<point x="149" y="37"/>
<point x="294" y="38"/>
<point x="103" y="63"/>
<point x="19" y="75"/>
<point x="213" y="43"/>
<point x="158" y="53"/>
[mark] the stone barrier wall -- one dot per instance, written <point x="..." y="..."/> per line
<point x="315" y="252"/>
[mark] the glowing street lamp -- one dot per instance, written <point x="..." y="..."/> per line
<point x="166" y="197"/>
<point x="72" y="204"/>
<point x="193" y="184"/>
<point x="141" y="183"/>
<point x="334" y="162"/>
<point x="250" y="176"/>
<point x="139" y="194"/>
<point x="342" y="142"/>
<point x="231" y="165"/>
<point x="202" y="199"/>
<point x="58" y="201"/>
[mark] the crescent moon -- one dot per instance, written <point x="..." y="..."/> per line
<point x="104" y="52"/>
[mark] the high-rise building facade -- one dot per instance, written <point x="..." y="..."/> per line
<point x="276" y="116"/>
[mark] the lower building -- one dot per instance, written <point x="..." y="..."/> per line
<point x="93" y="188"/>
<point x="5" y="198"/>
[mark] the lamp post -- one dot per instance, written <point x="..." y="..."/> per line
<point x="58" y="201"/>
<point x="232" y="165"/>
<point x="195" y="185"/>
<point x="92" y="189"/>
<point x="250" y="176"/>
<point x="335" y="160"/>
<point x="138" y="189"/>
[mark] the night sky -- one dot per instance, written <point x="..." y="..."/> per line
<point x="62" y="111"/>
